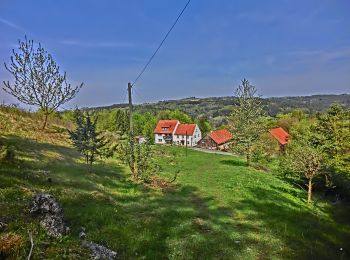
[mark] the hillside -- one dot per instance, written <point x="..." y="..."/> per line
<point x="216" y="209"/>
<point x="217" y="108"/>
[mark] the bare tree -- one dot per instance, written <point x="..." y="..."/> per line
<point x="37" y="79"/>
<point x="245" y="119"/>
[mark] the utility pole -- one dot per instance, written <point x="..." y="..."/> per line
<point x="131" y="133"/>
<point x="186" y="143"/>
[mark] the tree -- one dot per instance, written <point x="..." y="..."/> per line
<point x="86" y="139"/>
<point x="245" y="119"/>
<point x="305" y="160"/>
<point x="204" y="125"/>
<point x="145" y="165"/>
<point x="37" y="79"/>
<point x="332" y="136"/>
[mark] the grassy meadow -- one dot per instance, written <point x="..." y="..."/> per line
<point x="217" y="208"/>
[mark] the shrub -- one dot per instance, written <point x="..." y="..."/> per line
<point x="10" y="244"/>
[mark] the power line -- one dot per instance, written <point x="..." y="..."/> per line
<point x="160" y="45"/>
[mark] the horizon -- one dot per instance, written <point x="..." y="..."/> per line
<point x="281" y="48"/>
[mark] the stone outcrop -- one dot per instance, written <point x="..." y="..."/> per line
<point x="99" y="252"/>
<point x="50" y="213"/>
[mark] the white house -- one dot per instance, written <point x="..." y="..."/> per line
<point x="189" y="133"/>
<point x="171" y="131"/>
<point x="164" y="131"/>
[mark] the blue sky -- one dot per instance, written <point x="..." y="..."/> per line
<point x="283" y="47"/>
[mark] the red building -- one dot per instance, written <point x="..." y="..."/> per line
<point x="218" y="139"/>
<point x="281" y="136"/>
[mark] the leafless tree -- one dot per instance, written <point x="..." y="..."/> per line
<point x="37" y="79"/>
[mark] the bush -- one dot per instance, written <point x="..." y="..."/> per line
<point x="10" y="244"/>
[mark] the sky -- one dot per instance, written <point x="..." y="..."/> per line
<point x="282" y="47"/>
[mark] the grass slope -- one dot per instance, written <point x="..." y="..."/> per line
<point x="216" y="209"/>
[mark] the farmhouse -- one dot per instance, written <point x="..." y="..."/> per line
<point x="281" y="136"/>
<point x="218" y="139"/>
<point x="164" y="131"/>
<point x="172" y="132"/>
<point x="189" y="133"/>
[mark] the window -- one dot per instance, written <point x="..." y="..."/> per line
<point x="165" y="128"/>
<point x="160" y="140"/>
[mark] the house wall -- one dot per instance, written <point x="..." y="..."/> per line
<point x="159" y="138"/>
<point x="207" y="143"/>
<point x="192" y="140"/>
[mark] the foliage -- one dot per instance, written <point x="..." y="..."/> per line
<point x="217" y="109"/>
<point x="86" y="139"/>
<point x="245" y="121"/>
<point x="332" y="136"/>
<point x="37" y="79"/>
<point x="204" y="125"/>
<point x="145" y="165"/>
<point x="174" y="115"/>
<point x="303" y="158"/>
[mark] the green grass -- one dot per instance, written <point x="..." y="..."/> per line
<point x="216" y="209"/>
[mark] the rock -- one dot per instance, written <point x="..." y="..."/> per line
<point x="50" y="213"/>
<point x="98" y="251"/>
<point x="3" y="225"/>
<point x="82" y="235"/>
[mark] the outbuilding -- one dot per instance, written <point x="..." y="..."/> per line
<point x="218" y="140"/>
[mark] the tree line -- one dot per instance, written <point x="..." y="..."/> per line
<point x="319" y="148"/>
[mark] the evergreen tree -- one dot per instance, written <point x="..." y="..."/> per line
<point x="86" y="139"/>
<point x="245" y="119"/>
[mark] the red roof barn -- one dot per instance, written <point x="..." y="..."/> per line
<point x="221" y="136"/>
<point x="280" y="134"/>
<point x="218" y="139"/>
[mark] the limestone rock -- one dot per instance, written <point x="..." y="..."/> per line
<point x="99" y="252"/>
<point x="50" y="213"/>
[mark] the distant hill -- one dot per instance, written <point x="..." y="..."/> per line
<point x="217" y="108"/>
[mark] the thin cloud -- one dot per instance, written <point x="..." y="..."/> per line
<point x="11" y="24"/>
<point x="321" y="55"/>
<point x="101" y="44"/>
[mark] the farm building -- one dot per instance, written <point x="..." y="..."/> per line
<point x="164" y="131"/>
<point x="218" y="139"/>
<point x="189" y="133"/>
<point x="281" y="136"/>
<point x="172" y="132"/>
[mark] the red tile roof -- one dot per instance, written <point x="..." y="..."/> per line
<point x="221" y="136"/>
<point x="280" y="134"/>
<point x="165" y="126"/>
<point x="184" y="129"/>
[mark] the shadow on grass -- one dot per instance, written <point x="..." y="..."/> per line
<point x="234" y="162"/>
<point x="142" y="223"/>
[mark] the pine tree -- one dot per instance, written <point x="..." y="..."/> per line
<point x="245" y="119"/>
<point x="86" y="139"/>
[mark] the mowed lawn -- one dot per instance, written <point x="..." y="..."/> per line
<point x="217" y="208"/>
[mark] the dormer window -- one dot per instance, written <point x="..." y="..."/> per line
<point x="165" y="128"/>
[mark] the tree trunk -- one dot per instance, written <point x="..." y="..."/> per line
<point x="309" y="192"/>
<point x="45" y="120"/>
